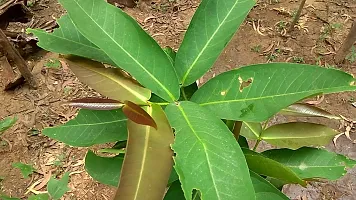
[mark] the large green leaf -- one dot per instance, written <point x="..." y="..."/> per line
<point x="212" y="27"/>
<point x="91" y="127"/>
<point x="312" y="163"/>
<point x="255" y="93"/>
<point x="106" y="170"/>
<point x="265" y="190"/>
<point x="260" y="164"/>
<point x="68" y="40"/>
<point x="148" y="159"/>
<point x="110" y="82"/>
<point x="126" y="43"/>
<point x="298" y="134"/>
<point x="208" y="158"/>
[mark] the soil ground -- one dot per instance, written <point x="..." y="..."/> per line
<point x="321" y="30"/>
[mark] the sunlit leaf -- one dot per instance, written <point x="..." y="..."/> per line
<point x="148" y="159"/>
<point x="25" y="169"/>
<point x="208" y="157"/>
<point x="95" y="104"/>
<point x="7" y="123"/>
<point x="138" y="115"/>
<point x="110" y="82"/>
<point x="39" y="197"/>
<point x="57" y="188"/>
<point x="213" y="25"/>
<point x="298" y="134"/>
<point x="251" y="130"/>
<point x="68" y="40"/>
<point x="104" y="169"/>
<point x="126" y="43"/>
<point x="272" y="87"/>
<point x="260" y="164"/>
<point x="312" y="163"/>
<point x="306" y="110"/>
<point x="265" y="190"/>
<point x="174" y="192"/>
<point x="91" y="127"/>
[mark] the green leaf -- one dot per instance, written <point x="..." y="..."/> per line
<point x="251" y="130"/>
<point x="110" y="82"/>
<point x="7" y="123"/>
<point x="148" y="159"/>
<point x="174" y="192"/>
<point x="265" y="190"/>
<point x="298" y="134"/>
<point x="260" y="164"/>
<point x="104" y="169"/>
<point x="57" y="188"/>
<point x="68" y="40"/>
<point x="91" y="127"/>
<point x="309" y="162"/>
<point x="26" y="170"/>
<point x="306" y="110"/>
<point x="212" y="27"/>
<point x="256" y="92"/>
<point x="39" y="197"/>
<point x="4" y="197"/>
<point x="208" y="158"/>
<point x="126" y="43"/>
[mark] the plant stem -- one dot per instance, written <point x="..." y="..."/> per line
<point x="184" y="95"/>
<point x="256" y="145"/>
<point x="297" y="16"/>
<point x="350" y="40"/>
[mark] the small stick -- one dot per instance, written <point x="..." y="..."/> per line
<point x="15" y="56"/>
<point x="350" y="40"/>
<point x="297" y="16"/>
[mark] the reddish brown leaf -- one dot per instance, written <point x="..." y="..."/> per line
<point x="136" y="114"/>
<point x="95" y="104"/>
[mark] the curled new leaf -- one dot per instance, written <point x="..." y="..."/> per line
<point x="136" y="114"/>
<point x="298" y="134"/>
<point x="111" y="82"/>
<point x="95" y="104"/>
<point x="306" y="110"/>
<point x="148" y="160"/>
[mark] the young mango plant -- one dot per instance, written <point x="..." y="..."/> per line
<point x="198" y="132"/>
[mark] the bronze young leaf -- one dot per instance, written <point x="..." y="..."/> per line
<point x="136" y="114"/>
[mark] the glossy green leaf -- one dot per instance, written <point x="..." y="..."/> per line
<point x="25" y="169"/>
<point x="68" y="40"/>
<point x="57" y="188"/>
<point x="213" y="25"/>
<point x="260" y="164"/>
<point x="306" y="110"/>
<point x="309" y="162"/>
<point x="110" y="82"/>
<point x="91" y="127"/>
<point x="208" y="158"/>
<point x="106" y="170"/>
<point x="298" y="134"/>
<point x="255" y="93"/>
<point x="265" y="190"/>
<point x="148" y="159"/>
<point x="39" y="197"/>
<point x="174" y="192"/>
<point x="251" y="130"/>
<point x="126" y="43"/>
<point x="7" y="123"/>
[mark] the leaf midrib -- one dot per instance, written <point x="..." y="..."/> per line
<point x="94" y="124"/>
<point x="207" y="44"/>
<point x="205" y="149"/>
<point x="138" y="63"/>
<point x="266" y="97"/>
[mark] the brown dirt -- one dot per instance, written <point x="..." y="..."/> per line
<point x="167" y="22"/>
